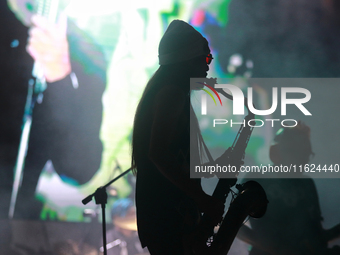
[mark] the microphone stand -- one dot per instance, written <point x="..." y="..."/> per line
<point x="34" y="94"/>
<point x="36" y="88"/>
<point x="100" y="197"/>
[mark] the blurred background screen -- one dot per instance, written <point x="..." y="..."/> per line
<point x="98" y="57"/>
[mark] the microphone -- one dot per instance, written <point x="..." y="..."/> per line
<point x="212" y="82"/>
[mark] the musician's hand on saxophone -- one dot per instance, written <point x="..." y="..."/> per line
<point x="48" y="46"/>
<point x="212" y="207"/>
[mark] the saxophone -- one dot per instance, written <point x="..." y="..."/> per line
<point x="251" y="199"/>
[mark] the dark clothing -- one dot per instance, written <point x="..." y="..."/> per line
<point x="158" y="200"/>
<point x="293" y="216"/>
<point x="66" y="125"/>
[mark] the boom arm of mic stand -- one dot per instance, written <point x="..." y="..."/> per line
<point x="89" y="198"/>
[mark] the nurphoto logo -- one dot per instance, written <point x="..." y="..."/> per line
<point x="240" y="102"/>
